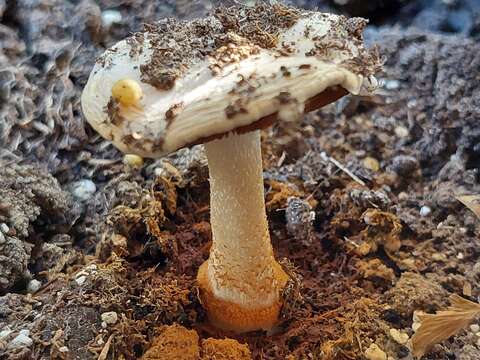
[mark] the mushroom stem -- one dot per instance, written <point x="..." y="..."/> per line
<point x="241" y="282"/>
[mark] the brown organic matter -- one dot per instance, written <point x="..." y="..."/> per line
<point x="174" y="343"/>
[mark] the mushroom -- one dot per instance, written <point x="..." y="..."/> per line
<point x="218" y="81"/>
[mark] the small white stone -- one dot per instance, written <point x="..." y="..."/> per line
<point x="399" y="337"/>
<point x="22" y="339"/>
<point x="401" y="131"/>
<point x="460" y="256"/>
<point x="110" y="317"/>
<point x="2" y="238"/>
<point x="81" y="280"/>
<point x="83" y="190"/>
<point x="4" y="228"/>
<point x="63" y="349"/>
<point x="425" y="211"/>
<point x="478" y="342"/>
<point x="5" y="332"/>
<point x="104" y="324"/>
<point x="33" y="286"/>
<point x="92" y="268"/>
<point x="110" y="17"/>
<point x="412" y="103"/>
<point x="391" y="84"/>
<point x="375" y="353"/>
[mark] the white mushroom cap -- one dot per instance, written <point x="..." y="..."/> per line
<point x="236" y="85"/>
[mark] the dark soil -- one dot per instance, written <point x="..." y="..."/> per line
<point x="361" y="196"/>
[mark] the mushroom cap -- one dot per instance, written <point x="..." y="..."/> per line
<point x="240" y="69"/>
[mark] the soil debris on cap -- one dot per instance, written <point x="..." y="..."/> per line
<point x="177" y="44"/>
<point x="230" y="34"/>
<point x="172" y="112"/>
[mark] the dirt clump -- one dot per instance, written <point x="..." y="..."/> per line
<point x="224" y="349"/>
<point x="33" y="206"/>
<point x="174" y="342"/>
<point x="415" y="292"/>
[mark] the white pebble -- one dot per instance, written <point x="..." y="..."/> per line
<point x="4" y="228"/>
<point x="475" y="328"/>
<point x="81" y="280"/>
<point x="2" y="238"/>
<point x="63" y="349"/>
<point x="110" y="17"/>
<point x="392" y="84"/>
<point x="5" y="332"/>
<point x="83" y="190"/>
<point x="91" y="268"/>
<point x="460" y="256"/>
<point x="22" y="339"/>
<point x="425" y="211"/>
<point x="401" y="131"/>
<point x="33" y="286"/>
<point x="110" y="317"/>
<point x="375" y="353"/>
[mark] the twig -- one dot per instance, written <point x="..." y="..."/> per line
<point x="106" y="349"/>
<point x="325" y="157"/>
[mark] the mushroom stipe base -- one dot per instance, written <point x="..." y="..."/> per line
<point x="227" y="315"/>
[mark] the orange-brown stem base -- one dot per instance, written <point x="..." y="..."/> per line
<point x="227" y="315"/>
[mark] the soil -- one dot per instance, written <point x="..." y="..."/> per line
<point x="98" y="257"/>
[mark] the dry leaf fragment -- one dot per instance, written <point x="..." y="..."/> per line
<point x="472" y="202"/>
<point x="106" y="348"/>
<point x="438" y="327"/>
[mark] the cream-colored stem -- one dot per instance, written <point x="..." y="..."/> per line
<point x="241" y="263"/>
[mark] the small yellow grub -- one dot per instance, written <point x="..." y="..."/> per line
<point x="127" y="92"/>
